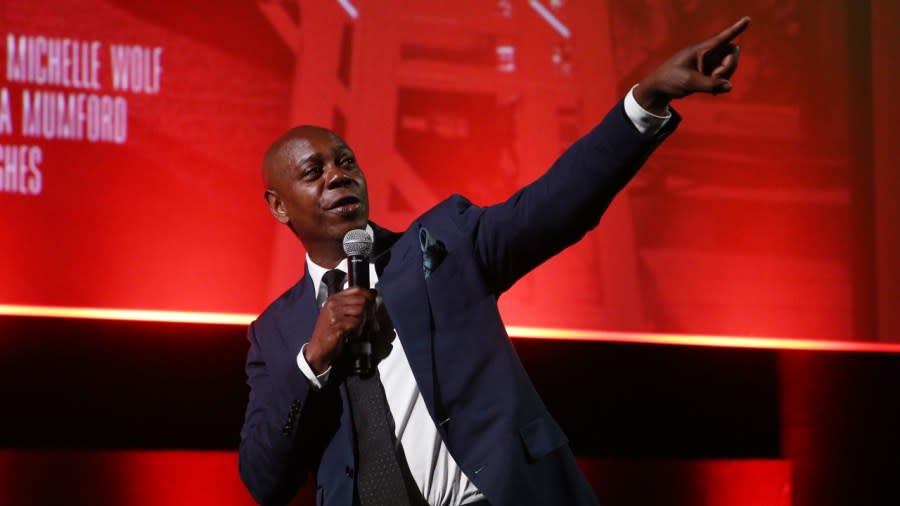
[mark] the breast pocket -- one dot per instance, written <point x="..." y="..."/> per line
<point x="449" y="286"/>
<point x="541" y="436"/>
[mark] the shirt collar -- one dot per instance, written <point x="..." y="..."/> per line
<point x="316" y="271"/>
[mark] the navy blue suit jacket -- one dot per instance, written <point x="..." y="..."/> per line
<point x="475" y="388"/>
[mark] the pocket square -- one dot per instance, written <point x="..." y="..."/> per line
<point x="433" y="251"/>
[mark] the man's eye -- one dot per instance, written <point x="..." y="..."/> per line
<point x="312" y="172"/>
<point x="349" y="161"/>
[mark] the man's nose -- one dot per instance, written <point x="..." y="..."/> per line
<point x="335" y="177"/>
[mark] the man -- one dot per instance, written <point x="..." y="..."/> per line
<point x="464" y="422"/>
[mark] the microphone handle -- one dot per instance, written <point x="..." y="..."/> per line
<point x="358" y="271"/>
<point x="360" y="349"/>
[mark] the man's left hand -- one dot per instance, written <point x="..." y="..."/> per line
<point x="705" y="67"/>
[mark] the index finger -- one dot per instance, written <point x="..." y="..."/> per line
<point x="728" y="34"/>
<point x="357" y="291"/>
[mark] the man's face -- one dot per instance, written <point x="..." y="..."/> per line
<point x="314" y="185"/>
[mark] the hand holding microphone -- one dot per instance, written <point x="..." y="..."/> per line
<point x="345" y="318"/>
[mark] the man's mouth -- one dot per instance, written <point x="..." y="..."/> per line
<point x="344" y="205"/>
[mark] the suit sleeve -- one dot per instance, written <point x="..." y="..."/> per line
<point x="556" y="210"/>
<point x="273" y="458"/>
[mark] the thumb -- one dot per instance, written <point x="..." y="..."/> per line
<point x="707" y="84"/>
<point x="722" y="86"/>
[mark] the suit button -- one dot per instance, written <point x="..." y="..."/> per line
<point x="349" y="472"/>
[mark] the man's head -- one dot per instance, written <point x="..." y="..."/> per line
<point x="314" y="186"/>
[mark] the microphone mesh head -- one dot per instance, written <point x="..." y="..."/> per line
<point x="357" y="243"/>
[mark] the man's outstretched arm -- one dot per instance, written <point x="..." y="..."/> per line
<point x="555" y="211"/>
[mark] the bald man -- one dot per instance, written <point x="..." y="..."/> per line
<point x="465" y="422"/>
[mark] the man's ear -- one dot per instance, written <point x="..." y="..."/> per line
<point x="276" y="207"/>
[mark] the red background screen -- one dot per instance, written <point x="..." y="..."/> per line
<point x="758" y="217"/>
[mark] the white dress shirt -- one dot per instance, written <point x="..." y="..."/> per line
<point x="434" y="469"/>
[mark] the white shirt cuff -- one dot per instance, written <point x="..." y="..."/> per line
<point x="645" y="121"/>
<point x="315" y="381"/>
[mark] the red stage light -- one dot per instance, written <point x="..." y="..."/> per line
<point x="519" y="332"/>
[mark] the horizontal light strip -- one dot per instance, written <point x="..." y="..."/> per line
<point x="141" y="315"/>
<point x="776" y="343"/>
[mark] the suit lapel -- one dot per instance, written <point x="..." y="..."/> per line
<point x="298" y="317"/>
<point x="384" y="241"/>
<point x="403" y="289"/>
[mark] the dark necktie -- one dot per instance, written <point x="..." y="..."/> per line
<point x="332" y="282"/>
<point x="382" y="475"/>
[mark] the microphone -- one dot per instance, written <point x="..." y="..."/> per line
<point x="358" y="247"/>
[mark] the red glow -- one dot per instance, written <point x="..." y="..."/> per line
<point x="126" y="478"/>
<point x="180" y="477"/>
<point x="139" y="478"/>
<point x="519" y="332"/>
<point x="736" y="482"/>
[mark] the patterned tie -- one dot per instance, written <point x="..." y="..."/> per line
<point x="382" y="476"/>
<point x="332" y="282"/>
